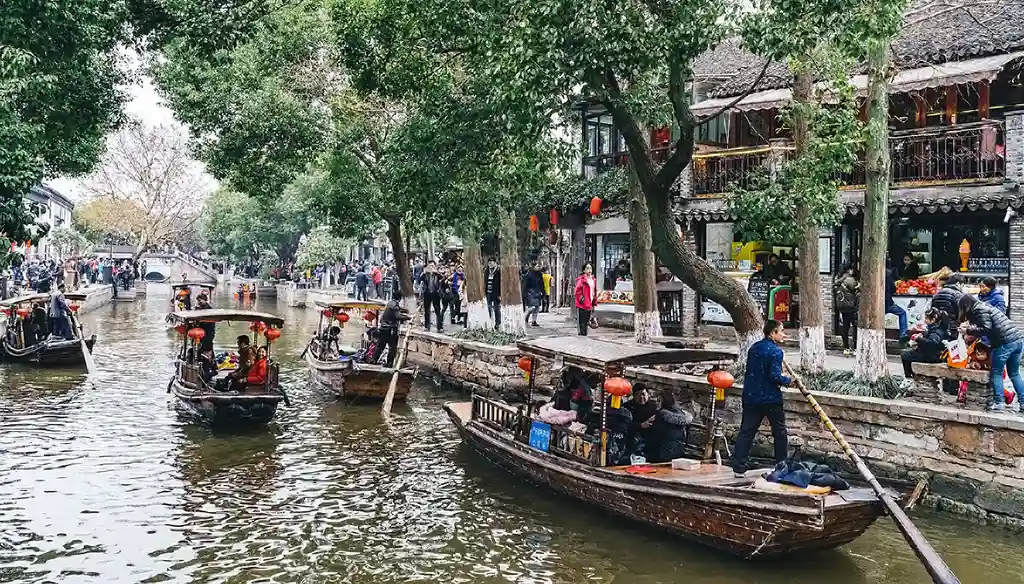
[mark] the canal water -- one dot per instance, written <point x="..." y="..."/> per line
<point x="102" y="482"/>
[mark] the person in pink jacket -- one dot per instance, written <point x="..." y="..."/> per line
<point x="586" y="298"/>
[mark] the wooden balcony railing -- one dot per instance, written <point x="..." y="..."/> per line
<point x="949" y="155"/>
<point x="725" y="170"/>
<point x="595" y="165"/>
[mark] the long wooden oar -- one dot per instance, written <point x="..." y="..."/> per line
<point x="399" y="362"/>
<point x="933" y="563"/>
<point x="90" y="365"/>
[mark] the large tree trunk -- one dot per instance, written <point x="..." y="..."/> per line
<point x="646" y="320"/>
<point x="512" y="316"/>
<point x="477" y="315"/>
<point x="401" y="264"/>
<point x="701" y="276"/>
<point x="871" y="359"/>
<point x="812" y="333"/>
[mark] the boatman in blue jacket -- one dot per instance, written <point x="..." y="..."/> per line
<point x="762" y="397"/>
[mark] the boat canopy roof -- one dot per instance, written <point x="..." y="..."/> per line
<point x="352" y="304"/>
<point x="218" y="315"/>
<point x="26" y="298"/>
<point x="190" y="283"/>
<point x="599" y="354"/>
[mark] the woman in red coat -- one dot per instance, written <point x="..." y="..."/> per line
<point x="586" y="298"/>
<point x="258" y="371"/>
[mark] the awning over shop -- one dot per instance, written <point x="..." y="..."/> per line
<point x="951" y="73"/>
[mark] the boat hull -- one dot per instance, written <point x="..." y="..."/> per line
<point x="226" y="409"/>
<point x="745" y="528"/>
<point x="352" y="380"/>
<point x="49" y="353"/>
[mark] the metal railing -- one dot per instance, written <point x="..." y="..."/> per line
<point x="725" y="170"/>
<point x="595" y="165"/>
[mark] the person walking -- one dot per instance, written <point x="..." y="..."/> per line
<point x="545" y="304"/>
<point x="458" y="280"/>
<point x="378" y="280"/>
<point x="533" y="291"/>
<point x="586" y="298"/>
<point x="981" y="320"/>
<point x="762" y="397"/>
<point x="431" y="285"/>
<point x="492" y="290"/>
<point x="362" y="284"/>
<point x="846" y="292"/>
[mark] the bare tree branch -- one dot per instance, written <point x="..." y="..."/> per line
<point x="739" y="98"/>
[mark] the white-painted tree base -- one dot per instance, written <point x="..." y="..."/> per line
<point x="812" y="349"/>
<point x="409" y="303"/>
<point x="872" y="362"/>
<point x="513" y="319"/>
<point x="743" y="343"/>
<point x="477" y="316"/>
<point x="646" y="325"/>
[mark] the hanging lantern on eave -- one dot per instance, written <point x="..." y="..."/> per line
<point x="197" y="334"/>
<point x="272" y="334"/>
<point x="342" y="318"/>
<point x="370" y="316"/>
<point x="534" y="223"/>
<point x="258" y="327"/>
<point x="74" y="307"/>
<point x="553" y="217"/>
<point x="595" y="206"/>
<point x="180" y="328"/>
<point x="327" y="313"/>
<point x="618" y="388"/>
<point x="720" y="380"/>
<point x="24" y="312"/>
<point x="553" y="237"/>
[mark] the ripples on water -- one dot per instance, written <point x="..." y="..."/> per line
<point x="104" y="482"/>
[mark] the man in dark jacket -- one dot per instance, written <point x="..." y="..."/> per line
<point x="390" y="320"/>
<point x="762" y="397"/>
<point x="533" y="291"/>
<point x="890" y="305"/>
<point x="492" y="290"/>
<point x="1007" y="342"/>
<point x="431" y="284"/>
<point x="948" y="296"/>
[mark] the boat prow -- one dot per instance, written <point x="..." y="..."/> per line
<point x="351" y="380"/>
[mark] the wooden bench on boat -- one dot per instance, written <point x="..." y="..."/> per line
<point x="706" y="504"/>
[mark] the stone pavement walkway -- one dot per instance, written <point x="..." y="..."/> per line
<point x="559" y="322"/>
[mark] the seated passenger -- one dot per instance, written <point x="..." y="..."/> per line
<point x="644" y="410"/>
<point x="246" y="356"/>
<point x="207" y="365"/>
<point x="257" y="375"/>
<point x="330" y="346"/>
<point x="669" y="430"/>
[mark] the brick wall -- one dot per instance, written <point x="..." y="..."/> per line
<point x="1014" y="141"/>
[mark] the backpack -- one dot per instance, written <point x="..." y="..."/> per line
<point x="845" y="298"/>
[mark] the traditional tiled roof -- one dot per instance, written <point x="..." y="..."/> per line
<point x="904" y="202"/>
<point x="948" y="35"/>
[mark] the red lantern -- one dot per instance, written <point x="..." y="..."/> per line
<point x="196" y="334"/>
<point x="5" y="311"/>
<point x="257" y="327"/>
<point x="720" y="380"/>
<point x="342" y="317"/>
<point x="272" y="334"/>
<point x="327" y="313"/>
<point x="73" y="307"/>
<point x="370" y="316"/>
<point x="24" y="312"/>
<point x="525" y="363"/>
<point x="553" y="237"/>
<point x="553" y="217"/>
<point x="180" y="328"/>
<point x="595" y="206"/>
<point x="534" y="223"/>
<point x="28" y="243"/>
<point x="618" y="388"/>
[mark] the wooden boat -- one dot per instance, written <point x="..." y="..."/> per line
<point x="340" y="373"/>
<point x="254" y="405"/>
<point x="49" y="352"/>
<point x="707" y="505"/>
<point x="187" y="287"/>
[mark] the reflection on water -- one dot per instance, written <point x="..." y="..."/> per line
<point x="102" y="481"/>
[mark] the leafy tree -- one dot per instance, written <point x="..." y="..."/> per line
<point x="240" y="227"/>
<point x="68" y="242"/>
<point x="321" y="247"/>
<point x="58" y="98"/>
<point x="106" y="220"/>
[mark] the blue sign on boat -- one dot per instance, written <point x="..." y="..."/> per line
<point x="540" y="436"/>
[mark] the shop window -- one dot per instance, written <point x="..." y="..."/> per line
<point x="615" y="260"/>
<point x="714" y="132"/>
<point x="935" y="243"/>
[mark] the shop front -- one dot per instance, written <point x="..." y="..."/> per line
<point x="768" y="272"/>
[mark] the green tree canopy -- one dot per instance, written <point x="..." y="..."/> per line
<point x="239" y="227"/>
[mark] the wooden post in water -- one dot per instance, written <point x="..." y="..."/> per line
<point x="933" y="563"/>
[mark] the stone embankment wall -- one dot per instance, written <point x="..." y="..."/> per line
<point x="96" y="296"/>
<point x="973" y="461"/>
